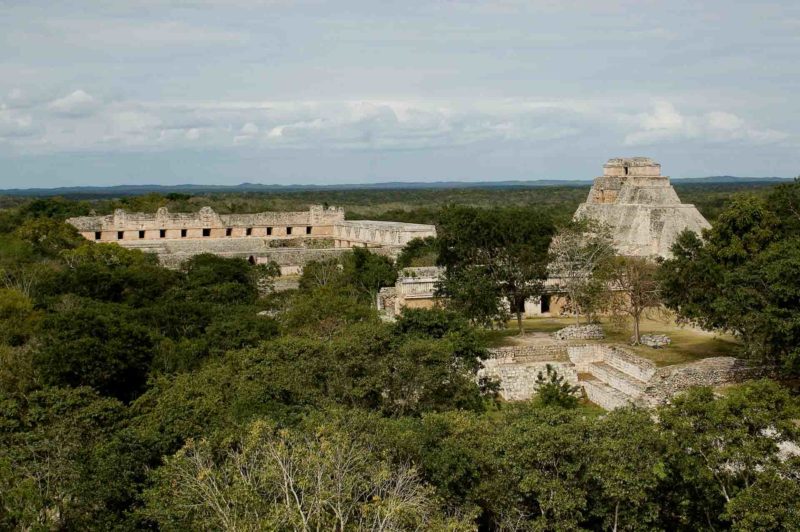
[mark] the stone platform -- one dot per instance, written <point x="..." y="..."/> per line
<point x="610" y="376"/>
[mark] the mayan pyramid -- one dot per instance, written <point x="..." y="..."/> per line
<point x="640" y="207"/>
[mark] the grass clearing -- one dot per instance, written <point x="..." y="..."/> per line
<point x="688" y="343"/>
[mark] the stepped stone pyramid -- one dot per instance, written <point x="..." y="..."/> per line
<point x="640" y="207"/>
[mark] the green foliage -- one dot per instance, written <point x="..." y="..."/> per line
<point x="771" y="503"/>
<point x="280" y="479"/>
<point x="98" y="345"/>
<point x="743" y="277"/>
<point x="367" y="272"/>
<point x="47" y="441"/>
<point x="18" y="319"/>
<point x="54" y="208"/>
<point x="724" y="444"/>
<point x="215" y="279"/>
<point x="581" y="258"/>
<point x="49" y="237"/>
<point x="359" y="273"/>
<point x="326" y="310"/>
<point x="554" y="390"/>
<point x="108" y="272"/>
<point x="491" y="256"/>
<point x="418" y="252"/>
<point x="221" y="396"/>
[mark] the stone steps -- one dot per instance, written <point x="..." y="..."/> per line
<point x="629" y="364"/>
<point x="617" y="379"/>
<point x="604" y="395"/>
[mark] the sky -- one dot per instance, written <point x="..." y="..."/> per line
<point x="109" y="92"/>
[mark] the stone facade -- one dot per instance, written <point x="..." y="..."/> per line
<point x="640" y="207"/>
<point x="368" y="233"/>
<point x="289" y="238"/>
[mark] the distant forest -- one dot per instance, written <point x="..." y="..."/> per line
<point x="417" y="205"/>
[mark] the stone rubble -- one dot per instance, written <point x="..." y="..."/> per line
<point x="654" y="340"/>
<point x="592" y="331"/>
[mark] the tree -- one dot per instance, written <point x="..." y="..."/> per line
<point x="367" y="272"/>
<point x="264" y="275"/>
<point x="281" y="479"/>
<point x="359" y="271"/>
<point x="546" y="454"/>
<point x="718" y="448"/>
<point x="554" y="390"/>
<point x="318" y="273"/>
<point x="109" y="272"/>
<point x="18" y="319"/>
<point x="98" y="345"/>
<point x="492" y="256"/>
<point x="580" y="255"/>
<point x="627" y="466"/>
<point x="220" y="280"/>
<point x="635" y="289"/>
<point x="49" y="236"/>
<point x="743" y="276"/>
<point x="47" y="437"/>
<point x="771" y="503"/>
<point x="418" y="252"/>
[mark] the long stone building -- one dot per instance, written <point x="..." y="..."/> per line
<point x="640" y="206"/>
<point x="289" y="238"/>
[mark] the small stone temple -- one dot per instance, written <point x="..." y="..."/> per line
<point x="640" y="206"/>
<point x="289" y="238"/>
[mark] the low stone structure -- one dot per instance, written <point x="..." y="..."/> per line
<point x="590" y="331"/>
<point x="610" y="376"/>
<point x="654" y="340"/>
<point x="640" y="207"/>
<point x="289" y="238"/>
<point x="416" y="288"/>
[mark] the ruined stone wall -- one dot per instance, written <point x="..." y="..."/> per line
<point x="529" y="353"/>
<point x="516" y="368"/>
<point x="716" y="371"/>
<point x="285" y="258"/>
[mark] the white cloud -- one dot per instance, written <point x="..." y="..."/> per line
<point x="77" y="103"/>
<point x="664" y="123"/>
<point x="80" y="121"/>
<point x="249" y="129"/>
<point x="14" y="124"/>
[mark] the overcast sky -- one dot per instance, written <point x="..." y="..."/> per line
<point x="230" y="91"/>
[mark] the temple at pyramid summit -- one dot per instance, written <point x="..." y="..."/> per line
<point x="640" y="206"/>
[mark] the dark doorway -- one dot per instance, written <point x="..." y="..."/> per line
<point x="251" y="259"/>
<point x="545" y="304"/>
